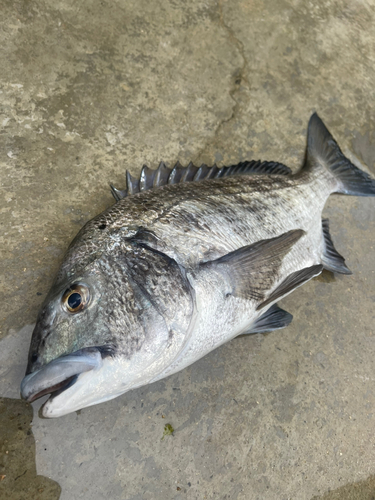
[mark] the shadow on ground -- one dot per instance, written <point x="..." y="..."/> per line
<point x="18" y="478"/>
<point x="363" y="490"/>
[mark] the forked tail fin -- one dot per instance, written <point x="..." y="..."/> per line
<point x="323" y="150"/>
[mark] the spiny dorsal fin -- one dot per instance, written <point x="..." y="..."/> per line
<point x="176" y="175"/>
<point x="163" y="175"/>
<point x="331" y="259"/>
<point x="146" y="179"/>
<point x="132" y="184"/>
<point x="251" y="271"/>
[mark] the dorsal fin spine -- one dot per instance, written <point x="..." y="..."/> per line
<point x="163" y="175"/>
<point x="132" y="184"/>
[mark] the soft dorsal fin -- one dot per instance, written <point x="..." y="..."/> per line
<point x="252" y="270"/>
<point x="163" y="175"/>
<point x="292" y="282"/>
<point x="331" y="259"/>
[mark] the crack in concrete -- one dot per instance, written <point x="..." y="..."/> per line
<point x="239" y="78"/>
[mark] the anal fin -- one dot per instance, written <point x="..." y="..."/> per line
<point x="332" y="260"/>
<point x="292" y="282"/>
<point x="273" y="319"/>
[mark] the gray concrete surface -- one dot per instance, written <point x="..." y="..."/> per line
<point x="90" y="88"/>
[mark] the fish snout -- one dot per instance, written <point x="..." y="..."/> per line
<point x="34" y="364"/>
<point x="42" y="331"/>
<point x="60" y="373"/>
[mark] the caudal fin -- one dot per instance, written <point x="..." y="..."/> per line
<point x="323" y="150"/>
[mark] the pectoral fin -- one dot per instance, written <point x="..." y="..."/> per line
<point x="292" y="282"/>
<point x="273" y="319"/>
<point x="252" y="270"/>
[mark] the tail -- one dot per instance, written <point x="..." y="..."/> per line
<point x="323" y="151"/>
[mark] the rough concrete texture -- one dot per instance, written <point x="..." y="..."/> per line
<point x="90" y="88"/>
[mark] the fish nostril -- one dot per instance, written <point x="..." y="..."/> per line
<point x="34" y="357"/>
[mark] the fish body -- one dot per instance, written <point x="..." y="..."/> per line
<point x="185" y="261"/>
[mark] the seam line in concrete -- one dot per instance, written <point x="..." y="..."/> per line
<point x="239" y="78"/>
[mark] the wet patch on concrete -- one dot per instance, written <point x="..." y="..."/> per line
<point x="18" y="477"/>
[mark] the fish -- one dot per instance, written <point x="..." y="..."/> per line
<point x="186" y="260"/>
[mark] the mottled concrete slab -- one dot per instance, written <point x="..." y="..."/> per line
<point x="91" y="88"/>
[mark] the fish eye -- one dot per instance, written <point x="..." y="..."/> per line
<point x="75" y="298"/>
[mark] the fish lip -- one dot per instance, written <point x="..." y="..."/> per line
<point x="60" y="374"/>
<point x="54" y="390"/>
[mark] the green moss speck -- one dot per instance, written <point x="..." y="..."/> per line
<point x="168" y="431"/>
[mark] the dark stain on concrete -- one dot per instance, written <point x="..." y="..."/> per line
<point x="18" y="478"/>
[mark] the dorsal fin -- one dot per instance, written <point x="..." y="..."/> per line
<point x="146" y="179"/>
<point x="132" y="184"/>
<point x="176" y="175"/>
<point x="163" y="175"/>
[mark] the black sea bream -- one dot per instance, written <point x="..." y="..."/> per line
<point x="186" y="260"/>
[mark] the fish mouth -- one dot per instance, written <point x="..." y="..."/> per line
<point x="54" y="390"/>
<point x="60" y="374"/>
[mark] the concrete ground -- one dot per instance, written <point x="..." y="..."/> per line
<point x="91" y="88"/>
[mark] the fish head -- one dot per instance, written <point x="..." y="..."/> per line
<point x="109" y="324"/>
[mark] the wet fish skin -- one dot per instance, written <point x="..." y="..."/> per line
<point x="175" y="271"/>
<point x="136" y="291"/>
